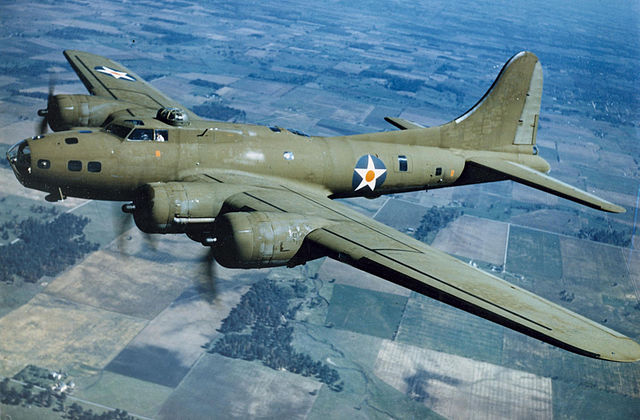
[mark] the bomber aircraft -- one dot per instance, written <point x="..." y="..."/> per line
<point x="262" y="196"/>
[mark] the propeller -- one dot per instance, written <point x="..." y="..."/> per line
<point x="206" y="282"/>
<point x="123" y="222"/>
<point x="44" y="113"/>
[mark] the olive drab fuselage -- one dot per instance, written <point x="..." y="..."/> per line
<point x="318" y="162"/>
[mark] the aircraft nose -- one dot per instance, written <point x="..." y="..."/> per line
<point x="19" y="157"/>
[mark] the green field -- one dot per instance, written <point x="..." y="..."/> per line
<point x="534" y="254"/>
<point x="133" y="395"/>
<point x="430" y="324"/>
<point x="573" y="401"/>
<point x="365" y="311"/>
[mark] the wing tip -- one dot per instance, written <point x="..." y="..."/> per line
<point x="613" y="208"/>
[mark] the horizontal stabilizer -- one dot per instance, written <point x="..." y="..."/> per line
<point x="543" y="182"/>
<point x="402" y="124"/>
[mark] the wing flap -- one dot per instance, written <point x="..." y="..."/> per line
<point x="543" y="182"/>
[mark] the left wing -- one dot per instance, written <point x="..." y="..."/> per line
<point x="366" y="244"/>
<point x="110" y="79"/>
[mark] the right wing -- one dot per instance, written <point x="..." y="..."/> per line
<point x="110" y="79"/>
<point x="366" y="244"/>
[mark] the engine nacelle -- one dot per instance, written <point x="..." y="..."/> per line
<point x="180" y="207"/>
<point x="262" y="239"/>
<point x="67" y="111"/>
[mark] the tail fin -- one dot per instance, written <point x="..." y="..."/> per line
<point x="506" y="118"/>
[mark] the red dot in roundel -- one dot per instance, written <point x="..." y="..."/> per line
<point x="369" y="176"/>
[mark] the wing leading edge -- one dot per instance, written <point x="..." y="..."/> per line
<point x="380" y="250"/>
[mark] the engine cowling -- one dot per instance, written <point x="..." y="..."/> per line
<point x="180" y="207"/>
<point x="263" y="239"/>
<point x="67" y="111"/>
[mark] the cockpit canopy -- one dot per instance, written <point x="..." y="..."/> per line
<point x="134" y="130"/>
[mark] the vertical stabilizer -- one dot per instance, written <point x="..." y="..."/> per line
<point x="506" y="118"/>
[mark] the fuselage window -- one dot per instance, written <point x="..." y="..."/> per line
<point x="44" y="164"/>
<point x="162" y="135"/>
<point x="403" y="165"/>
<point x="74" y="165"/>
<point x="71" y="140"/>
<point x="438" y="171"/>
<point x="94" y="166"/>
<point x="117" y="130"/>
<point x="141" y="134"/>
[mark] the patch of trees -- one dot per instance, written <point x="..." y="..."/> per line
<point x="216" y="111"/>
<point x="283" y="77"/>
<point x="206" y="84"/>
<point x="402" y="84"/>
<point x="620" y="238"/>
<point x="9" y="395"/>
<point x="396" y="83"/>
<point x="45" y="248"/>
<point x="30" y="396"/>
<point x="433" y="220"/>
<point x="258" y="328"/>
<point x="76" y="33"/>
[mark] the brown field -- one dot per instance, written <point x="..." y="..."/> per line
<point x="474" y="237"/>
<point x="55" y="333"/>
<point x="133" y="286"/>
<point x="461" y="388"/>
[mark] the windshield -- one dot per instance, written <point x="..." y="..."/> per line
<point x="117" y="130"/>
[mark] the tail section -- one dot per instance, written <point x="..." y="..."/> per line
<point x="506" y="118"/>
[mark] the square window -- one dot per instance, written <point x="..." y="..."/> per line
<point x="438" y="171"/>
<point x="162" y="135"/>
<point x="94" y="166"/>
<point x="402" y="163"/>
<point x="71" y="140"/>
<point x="74" y="165"/>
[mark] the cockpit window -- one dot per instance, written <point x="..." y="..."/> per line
<point x="141" y="134"/>
<point x="117" y="130"/>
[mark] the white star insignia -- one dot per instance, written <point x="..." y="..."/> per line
<point x="114" y="73"/>
<point x="369" y="175"/>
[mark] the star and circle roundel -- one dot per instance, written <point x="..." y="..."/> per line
<point x="114" y="73"/>
<point x="369" y="173"/>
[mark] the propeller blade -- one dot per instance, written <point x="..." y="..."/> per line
<point x="44" y="113"/>
<point x="206" y="282"/>
<point x="41" y="126"/>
